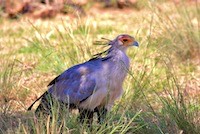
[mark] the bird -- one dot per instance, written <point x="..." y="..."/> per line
<point x="92" y="86"/>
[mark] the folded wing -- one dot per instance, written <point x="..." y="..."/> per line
<point x="74" y="85"/>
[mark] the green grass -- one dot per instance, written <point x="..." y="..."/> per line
<point x="161" y="91"/>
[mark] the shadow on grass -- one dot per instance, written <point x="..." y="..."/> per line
<point x="10" y="123"/>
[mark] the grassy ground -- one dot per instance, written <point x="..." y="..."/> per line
<point x="161" y="91"/>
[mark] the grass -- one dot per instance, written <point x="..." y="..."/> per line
<point x="161" y="91"/>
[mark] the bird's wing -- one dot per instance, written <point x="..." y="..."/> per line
<point x="54" y="81"/>
<point x="75" y="84"/>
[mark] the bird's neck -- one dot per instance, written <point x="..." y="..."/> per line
<point x="119" y="55"/>
<point x="118" y="65"/>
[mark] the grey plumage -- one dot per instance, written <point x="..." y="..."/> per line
<point x="92" y="86"/>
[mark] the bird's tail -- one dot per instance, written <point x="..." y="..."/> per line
<point x="30" y="107"/>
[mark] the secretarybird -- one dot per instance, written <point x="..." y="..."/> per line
<point x="92" y="86"/>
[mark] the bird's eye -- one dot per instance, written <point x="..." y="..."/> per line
<point x="125" y="40"/>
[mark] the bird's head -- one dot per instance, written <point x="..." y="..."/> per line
<point x="124" y="41"/>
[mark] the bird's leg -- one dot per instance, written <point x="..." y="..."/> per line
<point x="86" y="115"/>
<point x="101" y="113"/>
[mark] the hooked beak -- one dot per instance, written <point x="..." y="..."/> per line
<point x="135" y="43"/>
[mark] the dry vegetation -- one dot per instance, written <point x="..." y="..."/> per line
<point x="51" y="8"/>
<point x="161" y="91"/>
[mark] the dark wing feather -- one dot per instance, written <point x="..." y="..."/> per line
<point x="53" y="81"/>
<point x="75" y="84"/>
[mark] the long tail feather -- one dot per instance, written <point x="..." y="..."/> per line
<point x="30" y="107"/>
